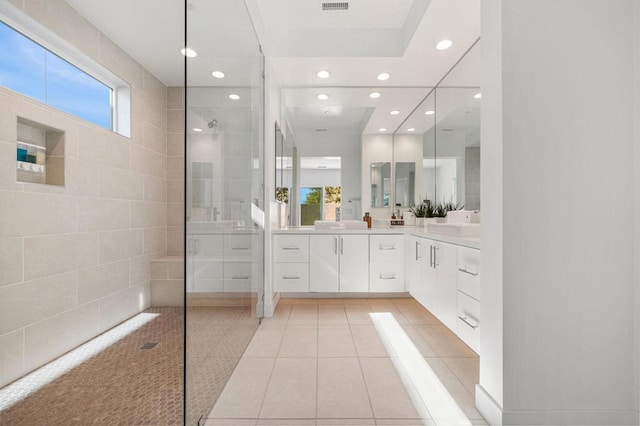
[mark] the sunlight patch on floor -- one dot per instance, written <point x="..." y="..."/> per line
<point x="429" y="396"/>
<point x="32" y="382"/>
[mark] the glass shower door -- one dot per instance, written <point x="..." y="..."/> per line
<point x="224" y="200"/>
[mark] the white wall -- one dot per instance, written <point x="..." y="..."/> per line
<point x="375" y="148"/>
<point x="636" y="186"/>
<point x="569" y="353"/>
<point x="75" y="260"/>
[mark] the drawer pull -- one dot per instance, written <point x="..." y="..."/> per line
<point x="290" y="248"/>
<point x="466" y="321"/>
<point x="290" y="278"/>
<point x="387" y="277"/>
<point x="240" y="278"/>
<point x="467" y="272"/>
<point x="240" y="248"/>
<point x="386" y="247"/>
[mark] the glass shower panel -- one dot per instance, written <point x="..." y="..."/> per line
<point x="224" y="202"/>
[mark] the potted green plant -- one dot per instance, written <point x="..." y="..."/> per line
<point x="440" y="212"/>
<point x="421" y="211"/>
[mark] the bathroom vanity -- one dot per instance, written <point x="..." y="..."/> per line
<point x="442" y="272"/>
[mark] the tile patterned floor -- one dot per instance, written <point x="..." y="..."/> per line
<point x="324" y="362"/>
<point x="126" y="385"/>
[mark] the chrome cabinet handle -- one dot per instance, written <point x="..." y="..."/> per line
<point x="341" y="246"/>
<point x="431" y="262"/>
<point x="387" y="277"/>
<point x="290" y="278"/>
<point x="417" y="245"/>
<point x="240" y="248"/>
<point x="467" y="272"/>
<point x="197" y="245"/>
<point x="290" y="248"/>
<point x="335" y="245"/>
<point x="240" y="278"/>
<point x="464" y="320"/>
<point x="436" y="261"/>
<point x="386" y="247"/>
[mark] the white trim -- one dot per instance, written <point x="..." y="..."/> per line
<point x="488" y="407"/>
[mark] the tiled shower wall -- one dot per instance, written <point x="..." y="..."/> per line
<point x="175" y="171"/>
<point x="75" y="260"/>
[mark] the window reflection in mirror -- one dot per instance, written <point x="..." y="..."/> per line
<point x="380" y="184"/>
<point x="405" y="184"/>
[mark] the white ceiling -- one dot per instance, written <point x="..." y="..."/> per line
<point x="373" y="36"/>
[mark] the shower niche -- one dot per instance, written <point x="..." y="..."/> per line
<point x="39" y="153"/>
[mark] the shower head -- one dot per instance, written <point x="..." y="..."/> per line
<point x="213" y="124"/>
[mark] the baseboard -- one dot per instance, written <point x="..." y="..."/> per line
<point x="496" y="416"/>
<point x="271" y="305"/>
<point x="488" y="407"/>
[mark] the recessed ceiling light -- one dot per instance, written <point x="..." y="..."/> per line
<point x="374" y="95"/>
<point x="323" y="96"/>
<point x="382" y="129"/>
<point x="444" y="44"/>
<point x="478" y="95"/>
<point x="323" y="74"/>
<point x="234" y="97"/>
<point x="383" y="76"/>
<point x="189" y="53"/>
<point x="411" y="129"/>
<point x="430" y="112"/>
<point x="327" y="112"/>
<point x="218" y="74"/>
<point x="394" y="112"/>
<point x="195" y="129"/>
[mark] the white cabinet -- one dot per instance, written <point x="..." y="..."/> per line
<point x="291" y="263"/>
<point x="445" y="263"/>
<point x="386" y="267"/>
<point x="338" y="263"/>
<point x="469" y="296"/>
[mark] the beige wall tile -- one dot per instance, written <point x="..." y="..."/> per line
<point x="11" y="356"/>
<point x="97" y="214"/>
<point x="24" y="213"/>
<point x="175" y="144"/>
<point x="102" y="280"/>
<point x="11" y="260"/>
<point x="122" y="305"/>
<point x="167" y="292"/>
<point x="31" y="301"/>
<point x="175" y="240"/>
<point x="120" y="183"/>
<point x="155" y="189"/>
<point x="117" y="245"/>
<point x="18" y="3"/>
<point x="121" y="64"/>
<point x="44" y="256"/>
<point x="154" y="88"/>
<point x="154" y="138"/>
<point x="148" y="162"/>
<point x="82" y="177"/>
<point x="175" y="270"/>
<point x="147" y="214"/>
<point x="8" y="167"/>
<point x="175" y="121"/>
<point x="175" y="214"/>
<point x="137" y="131"/>
<point x="175" y="97"/>
<point x="54" y="336"/>
<point x="139" y="269"/>
<point x="155" y="240"/>
<point x="175" y="191"/>
<point x="57" y="15"/>
<point x="104" y="147"/>
<point x="9" y="106"/>
<point x="159" y="270"/>
<point x="152" y="112"/>
<point x="175" y="168"/>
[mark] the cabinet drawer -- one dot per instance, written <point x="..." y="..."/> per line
<point x="237" y="271"/>
<point x="469" y="271"/>
<point x="290" y="248"/>
<point x="386" y="277"/>
<point x="237" y="286"/>
<point x="469" y="321"/>
<point x="291" y="277"/>
<point x="386" y="248"/>
<point x="237" y="247"/>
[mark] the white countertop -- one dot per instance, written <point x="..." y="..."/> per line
<point x="399" y="230"/>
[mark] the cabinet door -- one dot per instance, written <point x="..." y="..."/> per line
<point x="323" y="263"/>
<point x="429" y="286"/>
<point x="415" y="264"/>
<point x="354" y="263"/>
<point x="446" y="262"/>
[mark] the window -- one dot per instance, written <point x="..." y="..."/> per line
<point x="37" y="72"/>
<point x="319" y="203"/>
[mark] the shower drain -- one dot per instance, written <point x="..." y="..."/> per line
<point x="149" y="345"/>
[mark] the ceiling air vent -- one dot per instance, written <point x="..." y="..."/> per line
<point x="343" y="5"/>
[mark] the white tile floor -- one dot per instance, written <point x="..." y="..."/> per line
<point x="326" y="362"/>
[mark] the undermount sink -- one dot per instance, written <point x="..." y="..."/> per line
<point x="345" y="224"/>
<point x="455" y="229"/>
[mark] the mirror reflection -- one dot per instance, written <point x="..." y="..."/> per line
<point x="405" y="184"/>
<point x="380" y="184"/>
